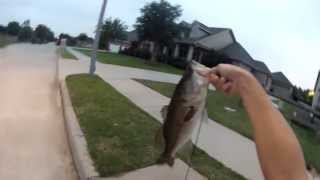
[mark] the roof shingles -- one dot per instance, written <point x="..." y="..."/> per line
<point x="280" y="77"/>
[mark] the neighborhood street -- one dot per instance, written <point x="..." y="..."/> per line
<point x="33" y="139"/>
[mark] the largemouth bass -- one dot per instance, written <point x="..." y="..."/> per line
<point x="186" y="109"/>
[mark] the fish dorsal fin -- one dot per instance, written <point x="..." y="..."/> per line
<point x="164" y="111"/>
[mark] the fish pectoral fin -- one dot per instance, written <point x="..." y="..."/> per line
<point x="164" y="111"/>
<point x="186" y="149"/>
<point x="205" y="117"/>
<point x="190" y="113"/>
<point x="159" y="139"/>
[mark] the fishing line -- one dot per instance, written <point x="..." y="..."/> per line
<point x="193" y="148"/>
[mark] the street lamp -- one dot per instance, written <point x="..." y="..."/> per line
<point x="97" y="38"/>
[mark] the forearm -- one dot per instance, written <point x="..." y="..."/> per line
<point x="278" y="149"/>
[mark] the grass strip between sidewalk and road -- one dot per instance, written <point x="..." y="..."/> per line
<point x="120" y="135"/>
<point x="67" y="55"/>
<point x="134" y="62"/>
<point x="239" y="122"/>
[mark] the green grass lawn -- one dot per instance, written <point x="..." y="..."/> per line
<point x="124" y="60"/>
<point x="67" y="55"/>
<point x="120" y="135"/>
<point x="238" y="121"/>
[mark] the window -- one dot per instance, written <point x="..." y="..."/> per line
<point x="184" y="48"/>
<point x="196" y="54"/>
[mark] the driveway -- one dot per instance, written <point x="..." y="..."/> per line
<point x="32" y="135"/>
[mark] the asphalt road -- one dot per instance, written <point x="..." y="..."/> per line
<point x="33" y="143"/>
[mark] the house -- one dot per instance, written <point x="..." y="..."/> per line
<point x="281" y="87"/>
<point x="118" y="45"/>
<point x="200" y="39"/>
<point x="197" y="40"/>
<point x="316" y="97"/>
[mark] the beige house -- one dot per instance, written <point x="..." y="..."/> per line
<point x="200" y="39"/>
<point x="281" y="87"/>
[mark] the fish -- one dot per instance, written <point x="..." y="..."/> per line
<point x="185" y="110"/>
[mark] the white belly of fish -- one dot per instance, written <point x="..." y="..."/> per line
<point x="188" y="128"/>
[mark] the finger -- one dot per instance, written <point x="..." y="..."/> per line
<point x="223" y="80"/>
<point x="227" y="87"/>
<point x="219" y="84"/>
<point x="213" y="78"/>
<point x="215" y="70"/>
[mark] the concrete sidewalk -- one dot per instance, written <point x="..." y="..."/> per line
<point x="160" y="172"/>
<point x="32" y="134"/>
<point x="117" y="72"/>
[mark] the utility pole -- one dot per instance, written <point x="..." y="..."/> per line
<point x="97" y="38"/>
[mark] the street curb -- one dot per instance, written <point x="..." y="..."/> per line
<point x="76" y="138"/>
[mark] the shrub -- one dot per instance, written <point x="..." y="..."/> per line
<point x="177" y="62"/>
<point x="136" y="52"/>
<point x="143" y="53"/>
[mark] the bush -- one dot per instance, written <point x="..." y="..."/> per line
<point x="136" y="52"/>
<point x="143" y="53"/>
<point x="177" y="62"/>
<point x="71" y="41"/>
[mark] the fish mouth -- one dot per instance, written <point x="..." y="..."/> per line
<point x="196" y="65"/>
<point x="196" y="68"/>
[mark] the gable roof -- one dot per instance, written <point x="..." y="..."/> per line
<point x="280" y="77"/>
<point x="317" y="81"/>
<point x="234" y="51"/>
<point x="215" y="30"/>
<point x="237" y="52"/>
<point x="210" y="30"/>
<point x="261" y="66"/>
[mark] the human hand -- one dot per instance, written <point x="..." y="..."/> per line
<point x="227" y="78"/>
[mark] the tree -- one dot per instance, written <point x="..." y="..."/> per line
<point x="3" y="29"/>
<point x="158" y="24"/>
<point x="13" y="28"/>
<point x="43" y="34"/>
<point x="112" y="30"/>
<point x="26" y="23"/>
<point x="299" y="94"/>
<point x="82" y="37"/>
<point x="71" y="41"/>
<point x="25" y="34"/>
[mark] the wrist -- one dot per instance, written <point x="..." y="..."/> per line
<point x="247" y="84"/>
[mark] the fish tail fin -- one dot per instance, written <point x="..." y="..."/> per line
<point x="166" y="159"/>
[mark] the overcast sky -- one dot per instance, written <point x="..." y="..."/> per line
<point x="285" y="34"/>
